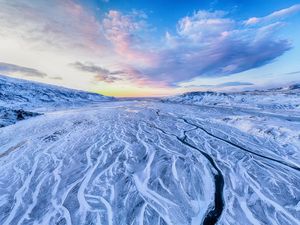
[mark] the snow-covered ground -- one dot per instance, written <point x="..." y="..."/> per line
<point x="147" y="162"/>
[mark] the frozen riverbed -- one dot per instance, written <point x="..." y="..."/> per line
<point x="143" y="162"/>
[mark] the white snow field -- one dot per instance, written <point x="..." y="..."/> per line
<point x="151" y="162"/>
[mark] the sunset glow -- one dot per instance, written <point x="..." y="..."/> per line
<point x="137" y="49"/>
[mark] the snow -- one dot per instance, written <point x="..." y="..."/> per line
<point x="10" y="116"/>
<point x="21" y="99"/>
<point x="270" y="100"/>
<point x="22" y="94"/>
<point x="150" y="162"/>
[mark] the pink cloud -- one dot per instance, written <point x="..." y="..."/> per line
<point x="83" y="25"/>
<point x="122" y="31"/>
<point x="64" y="24"/>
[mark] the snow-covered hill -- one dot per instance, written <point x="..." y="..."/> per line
<point x="28" y="95"/>
<point x="272" y="99"/>
<point x="21" y="99"/>
<point x="10" y="116"/>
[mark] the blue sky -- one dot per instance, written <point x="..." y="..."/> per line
<point x="151" y="48"/>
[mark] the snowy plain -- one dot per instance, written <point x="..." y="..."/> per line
<point x="150" y="162"/>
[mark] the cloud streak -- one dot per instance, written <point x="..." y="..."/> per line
<point x="100" y="73"/>
<point x="223" y="85"/>
<point x="26" y="71"/>
<point x="236" y="83"/>
<point x="274" y="15"/>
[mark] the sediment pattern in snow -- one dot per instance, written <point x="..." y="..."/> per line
<point x="146" y="163"/>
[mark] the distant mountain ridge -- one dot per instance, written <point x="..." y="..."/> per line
<point x="287" y="98"/>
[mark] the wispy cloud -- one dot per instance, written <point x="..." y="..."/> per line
<point x="100" y="73"/>
<point x="236" y="83"/>
<point x="274" y="15"/>
<point x="56" y="78"/>
<point x="62" y="24"/>
<point x="292" y="73"/>
<point x="221" y="85"/>
<point x="124" y="33"/>
<point x="7" y="68"/>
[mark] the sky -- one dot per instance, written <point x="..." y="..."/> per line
<point x="136" y="48"/>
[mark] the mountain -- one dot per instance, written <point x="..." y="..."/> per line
<point x="28" y="95"/>
<point x="21" y="99"/>
<point x="272" y="99"/>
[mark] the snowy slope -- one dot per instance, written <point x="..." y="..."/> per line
<point x="17" y="93"/>
<point x="273" y="99"/>
<point x="21" y="99"/>
<point x="10" y="116"/>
